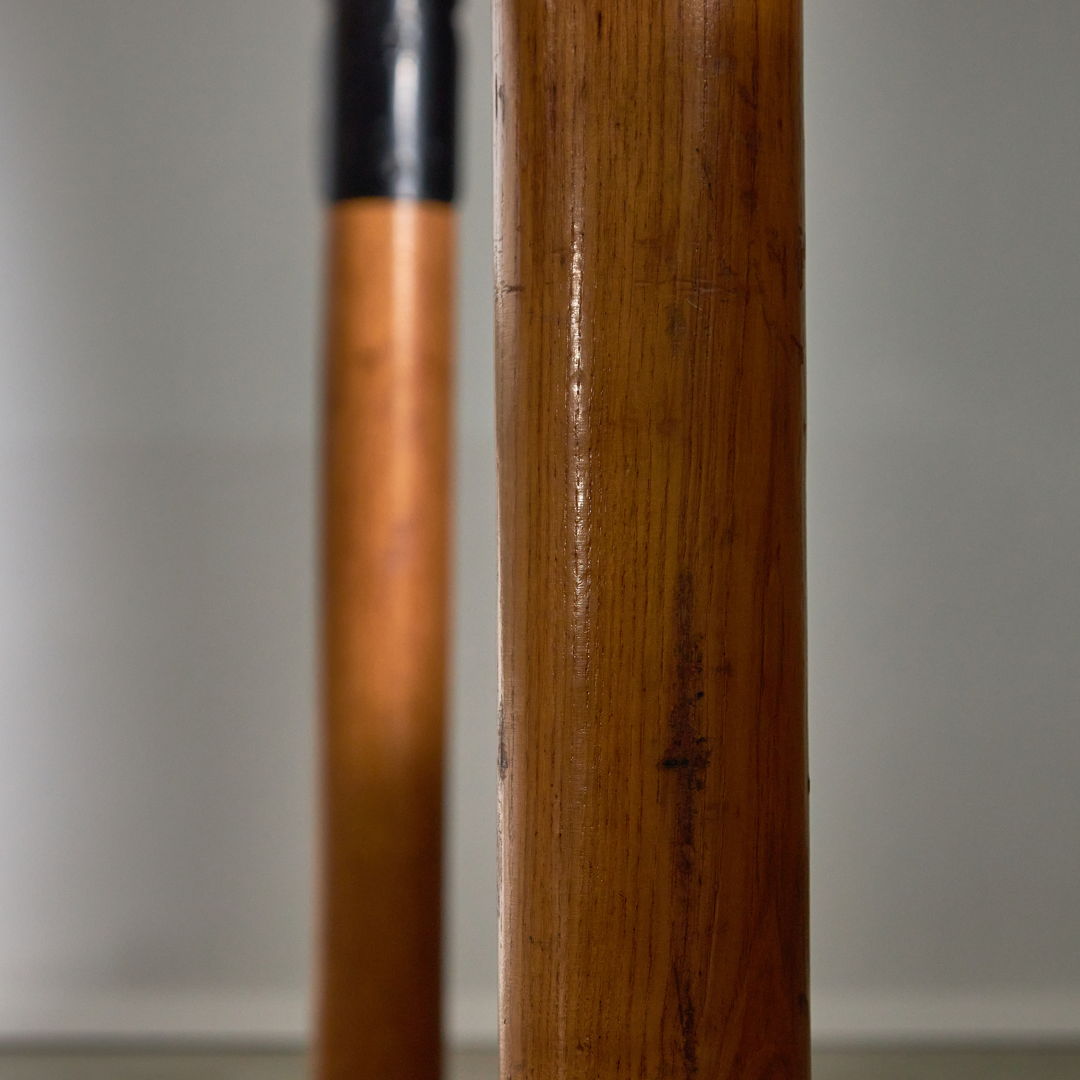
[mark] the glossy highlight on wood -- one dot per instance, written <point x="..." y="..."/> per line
<point x="385" y="566"/>
<point x="650" y="382"/>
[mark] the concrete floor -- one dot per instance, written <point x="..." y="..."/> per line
<point x="835" y="1065"/>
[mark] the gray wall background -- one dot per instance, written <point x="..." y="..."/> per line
<point x="159" y="303"/>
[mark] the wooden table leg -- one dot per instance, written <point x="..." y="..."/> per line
<point x="650" y="373"/>
<point x="385" y="541"/>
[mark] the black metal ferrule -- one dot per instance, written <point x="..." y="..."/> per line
<point x="394" y="99"/>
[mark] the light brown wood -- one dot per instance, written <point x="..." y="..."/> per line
<point x="386" y="474"/>
<point x="653" y="818"/>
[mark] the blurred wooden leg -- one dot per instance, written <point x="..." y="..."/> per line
<point x="385" y="586"/>
<point x="385" y="541"/>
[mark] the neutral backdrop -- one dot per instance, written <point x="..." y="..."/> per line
<point x="159" y="321"/>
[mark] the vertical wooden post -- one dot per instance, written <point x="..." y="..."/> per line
<point x="653" y="799"/>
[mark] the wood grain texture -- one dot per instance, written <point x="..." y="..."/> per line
<point x="385" y="538"/>
<point x="650" y="379"/>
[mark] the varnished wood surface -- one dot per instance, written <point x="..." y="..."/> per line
<point x="385" y="515"/>
<point x="653" y="796"/>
